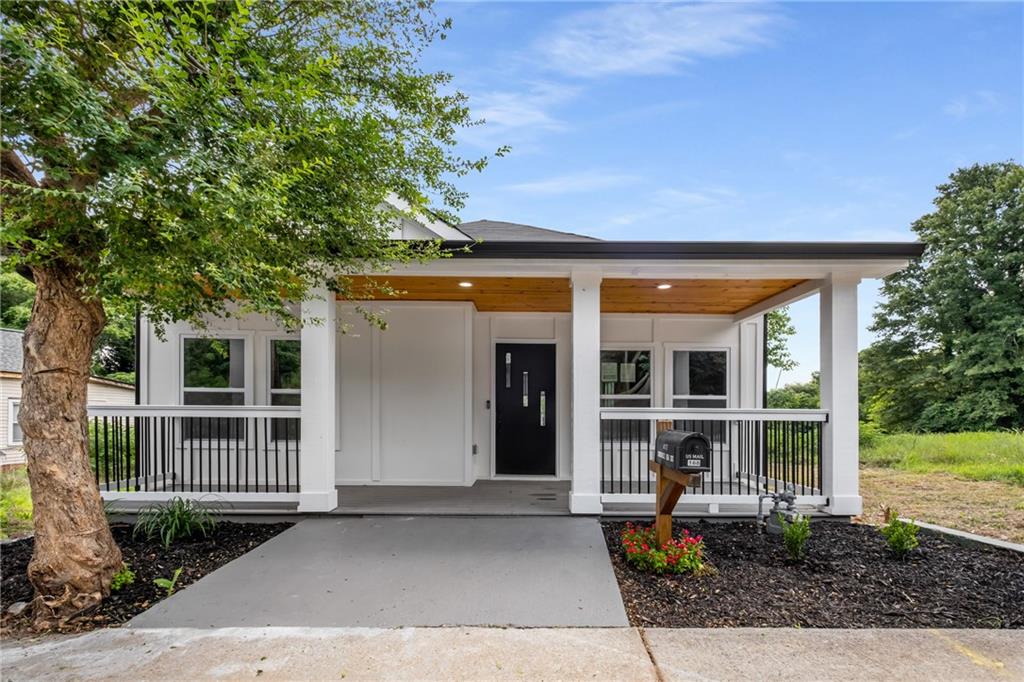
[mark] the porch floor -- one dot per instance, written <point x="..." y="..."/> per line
<point x="483" y="498"/>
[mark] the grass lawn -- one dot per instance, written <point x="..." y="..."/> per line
<point x="989" y="456"/>
<point x="968" y="481"/>
<point x="15" y="503"/>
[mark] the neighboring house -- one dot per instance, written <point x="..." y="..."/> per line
<point x="537" y="357"/>
<point x="101" y="392"/>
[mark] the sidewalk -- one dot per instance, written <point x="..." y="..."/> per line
<point x="510" y="653"/>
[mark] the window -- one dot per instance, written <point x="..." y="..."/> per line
<point x="625" y="378"/>
<point x="15" y="436"/>
<point x="285" y="372"/>
<point x="285" y="384"/>
<point x="213" y="371"/>
<point x="699" y="378"/>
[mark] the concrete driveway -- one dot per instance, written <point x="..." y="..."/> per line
<point x="409" y="571"/>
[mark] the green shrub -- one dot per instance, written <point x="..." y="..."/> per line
<point x="795" y="535"/>
<point x="870" y="434"/>
<point x="122" y="579"/>
<point x="677" y="556"/>
<point x="175" y="520"/>
<point x="901" y="535"/>
<point x="168" y="583"/>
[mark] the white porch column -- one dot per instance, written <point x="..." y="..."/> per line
<point x="585" y="497"/>
<point x="840" y="451"/>
<point x="319" y="413"/>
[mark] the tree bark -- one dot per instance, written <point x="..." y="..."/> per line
<point x="75" y="555"/>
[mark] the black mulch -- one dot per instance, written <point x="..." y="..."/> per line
<point x="148" y="559"/>
<point x="848" y="580"/>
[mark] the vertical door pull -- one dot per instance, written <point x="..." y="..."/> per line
<point x="526" y="389"/>
<point x="508" y="370"/>
<point x="543" y="405"/>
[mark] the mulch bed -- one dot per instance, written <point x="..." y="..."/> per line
<point x="848" y="580"/>
<point x="148" y="559"/>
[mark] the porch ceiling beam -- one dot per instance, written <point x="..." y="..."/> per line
<point x="791" y="295"/>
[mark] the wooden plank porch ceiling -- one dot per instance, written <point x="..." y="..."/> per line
<point x="554" y="294"/>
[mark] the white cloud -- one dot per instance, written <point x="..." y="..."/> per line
<point x="674" y="204"/>
<point x="586" y="181"/>
<point x="977" y="102"/>
<point x="517" y="117"/>
<point x="653" y="38"/>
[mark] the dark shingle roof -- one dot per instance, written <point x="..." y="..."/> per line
<point x="10" y="350"/>
<point x="500" y="231"/>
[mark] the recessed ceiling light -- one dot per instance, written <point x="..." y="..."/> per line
<point x="665" y="286"/>
<point x="465" y="284"/>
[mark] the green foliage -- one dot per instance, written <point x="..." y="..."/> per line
<point x="16" y="294"/>
<point x="15" y="503"/>
<point x="175" y="520"/>
<point x="950" y="354"/>
<point x="780" y="328"/>
<point x="122" y="578"/>
<point x="168" y="583"/>
<point x="642" y="550"/>
<point x="805" y="396"/>
<point x="870" y="435"/>
<point x="221" y="158"/>
<point x="900" y="535"/>
<point x="795" y="536"/>
<point x="986" y="456"/>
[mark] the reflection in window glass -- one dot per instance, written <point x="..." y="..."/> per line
<point x="626" y="378"/>
<point x="285" y="384"/>
<point x="699" y="378"/>
<point x="213" y="373"/>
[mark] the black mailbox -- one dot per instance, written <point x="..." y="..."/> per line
<point x="685" y="451"/>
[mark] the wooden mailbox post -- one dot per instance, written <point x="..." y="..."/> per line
<point x="670" y="485"/>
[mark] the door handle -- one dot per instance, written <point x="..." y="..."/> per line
<point x="543" y="408"/>
<point x="508" y="370"/>
<point x="526" y="389"/>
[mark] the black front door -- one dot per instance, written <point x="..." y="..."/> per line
<point x="524" y="396"/>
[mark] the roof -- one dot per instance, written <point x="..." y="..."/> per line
<point x="10" y="350"/>
<point x="586" y="248"/>
<point x="501" y="231"/>
<point x="12" y="358"/>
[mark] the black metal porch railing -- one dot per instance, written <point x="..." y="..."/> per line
<point x="752" y="451"/>
<point x="195" y="449"/>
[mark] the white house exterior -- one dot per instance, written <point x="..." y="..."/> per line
<point x="101" y="392"/>
<point x="538" y="356"/>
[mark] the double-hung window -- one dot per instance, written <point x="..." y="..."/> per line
<point x="700" y="378"/>
<point x="15" y="437"/>
<point x="285" y="383"/>
<point x="625" y="382"/>
<point x="213" y="373"/>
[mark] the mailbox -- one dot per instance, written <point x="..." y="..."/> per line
<point x="685" y="451"/>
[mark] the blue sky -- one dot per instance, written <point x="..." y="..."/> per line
<point x="799" y="121"/>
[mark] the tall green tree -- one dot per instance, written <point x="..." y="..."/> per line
<point x="950" y="356"/>
<point x="195" y="158"/>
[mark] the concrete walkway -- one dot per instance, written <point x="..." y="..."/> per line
<point x="409" y="571"/>
<point x="530" y="654"/>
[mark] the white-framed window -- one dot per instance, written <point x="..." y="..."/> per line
<point x="213" y="371"/>
<point x="15" y="437"/>
<point x="285" y="363"/>
<point x="698" y="377"/>
<point x="626" y="377"/>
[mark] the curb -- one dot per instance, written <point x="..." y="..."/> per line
<point x="964" y="538"/>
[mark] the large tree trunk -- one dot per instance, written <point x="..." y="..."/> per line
<point x="75" y="555"/>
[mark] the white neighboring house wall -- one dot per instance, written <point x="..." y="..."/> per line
<point x="101" y="392"/>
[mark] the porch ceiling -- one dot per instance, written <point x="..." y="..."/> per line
<point x="554" y="294"/>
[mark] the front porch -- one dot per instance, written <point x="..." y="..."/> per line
<point x="515" y="379"/>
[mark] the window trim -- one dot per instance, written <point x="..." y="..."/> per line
<point x="670" y="359"/>
<point x="11" y="402"/>
<point x="649" y="347"/>
<point x="270" y="391"/>
<point x="247" y="364"/>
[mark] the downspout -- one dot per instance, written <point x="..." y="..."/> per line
<point x="138" y="349"/>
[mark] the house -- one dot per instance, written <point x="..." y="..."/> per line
<point x="538" y="366"/>
<point x="101" y="392"/>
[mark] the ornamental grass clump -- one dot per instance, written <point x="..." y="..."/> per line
<point x="685" y="555"/>
<point x="175" y="520"/>
<point x="794" y="536"/>
<point x="900" y="535"/>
